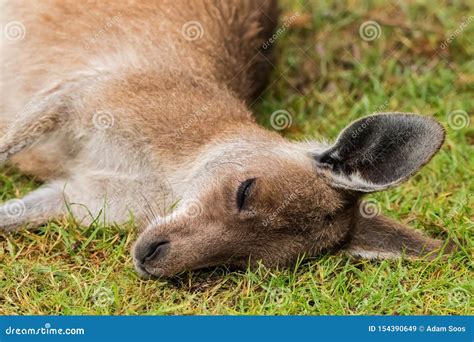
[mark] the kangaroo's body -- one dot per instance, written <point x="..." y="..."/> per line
<point x="139" y="104"/>
<point x="142" y="55"/>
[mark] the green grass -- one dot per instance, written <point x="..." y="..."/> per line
<point x="325" y="76"/>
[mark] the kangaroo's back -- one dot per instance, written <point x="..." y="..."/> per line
<point x="216" y="40"/>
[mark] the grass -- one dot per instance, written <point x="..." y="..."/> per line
<point x="326" y="76"/>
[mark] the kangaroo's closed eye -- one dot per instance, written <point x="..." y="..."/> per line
<point x="244" y="191"/>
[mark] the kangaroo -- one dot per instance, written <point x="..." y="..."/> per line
<point x="142" y="108"/>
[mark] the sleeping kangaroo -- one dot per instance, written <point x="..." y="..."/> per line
<point x="126" y="108"/>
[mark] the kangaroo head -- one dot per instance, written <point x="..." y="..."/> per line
<point x="254" y="196"/>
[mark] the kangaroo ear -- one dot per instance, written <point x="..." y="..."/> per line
<point x="381" y="151"/>
<point x="380" y="238"/>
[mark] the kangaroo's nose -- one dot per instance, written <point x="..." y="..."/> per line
<point x="154" y="251"/>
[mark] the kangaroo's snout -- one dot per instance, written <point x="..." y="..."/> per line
<point x="154" y="251"/>
<point x="149" y="254"/>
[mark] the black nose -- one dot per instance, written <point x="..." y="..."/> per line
<point x="154" y="251"/>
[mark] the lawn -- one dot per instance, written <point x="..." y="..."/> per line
<point x="335" y="63"/>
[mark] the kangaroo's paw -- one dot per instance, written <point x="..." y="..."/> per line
<point x="46" y="112"/>
<point x="10" y="147"/>
<point x="32" y="210"/>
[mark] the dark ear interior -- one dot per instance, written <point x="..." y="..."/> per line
<point x="380" y="151"/>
